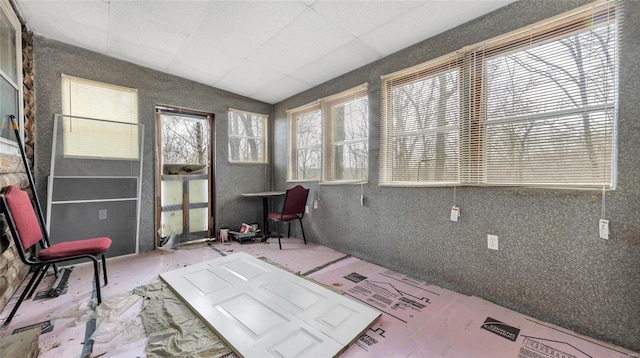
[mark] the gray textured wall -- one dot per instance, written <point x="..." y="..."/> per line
<point x="551" y="264"/>
<point x="52" y="58"/>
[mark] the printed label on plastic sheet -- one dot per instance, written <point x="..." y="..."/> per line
<point x="478" y="328"/>
<point x="405" y="303"/>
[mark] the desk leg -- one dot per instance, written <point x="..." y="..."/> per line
<point x="265" y="213"/>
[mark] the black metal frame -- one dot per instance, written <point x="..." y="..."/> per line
<point x="278" y="221"/>
<point x="41" y="267"/>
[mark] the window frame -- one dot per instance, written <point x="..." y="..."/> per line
<point x="293" y="116"/>
<point x="131" y="117"/>
<point x="474" y="152"/>
<point x="8" y="146"/>
<point x="263" y="137"/>
<point x="328" y="104"/>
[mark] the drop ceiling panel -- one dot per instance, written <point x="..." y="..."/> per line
<point x="413" y="26"/>
<point x="241" y="27"/>
<point x="352" y="55"/>
<point x="361" y="17"/>
<point x="284" y="88"/>
<point x="199" y="56"/>
<point x="247" y="79"/>
<point x="309" y="37"/>
<point x="205" y="40"/>
<point x="83" y="24"/>
<point x="150" y="44"/>
<point x="180" y="16"/>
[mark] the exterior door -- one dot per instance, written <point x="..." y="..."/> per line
<point x="184" y="203"/>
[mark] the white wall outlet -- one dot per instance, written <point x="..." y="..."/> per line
<point x="315" y="204"/>
<point x="102" y="214"/>
<point x="306" y="209"/>
<point x="604" y="229"/>
<point x="492" y="242"/>
<point x="455" y="213"/>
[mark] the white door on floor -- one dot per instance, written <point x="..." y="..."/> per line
<point x="262" y="311"/>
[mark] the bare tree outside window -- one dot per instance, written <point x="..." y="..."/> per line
<point x="425" y="128"/>
<point x="348" y="134"/>
<point x="308" y="130"/>
<point x="534" y="108"/>
<point x="247" y="137"/>
<point x="185" y="140"/>
<point x="548" y="100"/>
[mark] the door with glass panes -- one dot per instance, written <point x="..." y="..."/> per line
<point x="184" y="204"/>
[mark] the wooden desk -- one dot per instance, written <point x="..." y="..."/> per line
<point x="265" y="195"/>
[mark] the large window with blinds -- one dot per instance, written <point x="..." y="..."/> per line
<point x="535" y="107"/>
<point x="305" y="143"/>
<point x="329" y="139"/>
<point x="113" y="108"/>
<point x="247" y="137"/>
<point x="346" y="154"/>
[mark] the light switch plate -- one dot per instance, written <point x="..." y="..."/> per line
<point x="492" y="242"/>
<point x="604" y="229"/>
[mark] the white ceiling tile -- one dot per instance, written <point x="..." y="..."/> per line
<point x="180" y="16"/>
<point x="425" y="21"/>
<point x="142" y="41"/>
<point x="83" y="24"/>
<point x="248" y="78"/>
<point x="352" y="55"/>
<point x="360" y="17"/>
<point x="206" y="59"/>
<point x="267" y="50"/>
<point x="303" y="41"/>
<point x="184" y="71"/>
<point x="240" y="27"/>
<point x="282" y="89"/>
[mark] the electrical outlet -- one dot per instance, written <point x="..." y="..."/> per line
<point x="492" y="242"/>
<point x="102" y="214"/>
<point x="315" y="204"/>
<point x="306" y="209"/>
<point x="604" y="229"/>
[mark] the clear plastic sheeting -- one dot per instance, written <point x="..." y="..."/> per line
<point x="172" y="327"/>
<point x="116" y="317"/>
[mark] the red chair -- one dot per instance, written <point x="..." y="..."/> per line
<point x="26" y="232"/>
<point x="293" y="208"/>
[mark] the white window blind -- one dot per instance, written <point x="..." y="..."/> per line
<point x="421" y="122"/>
<point x="114" y="109"/>
<point x="305" y="143"/>
<point x="536" y="107"/>
<point x="346" y="136"/>
<point x="247" y="137"/>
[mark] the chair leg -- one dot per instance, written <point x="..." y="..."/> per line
<point x="55" y="269"/>
<point x="22" y="296"/>
<point x="96" y="277"/>
<point x="42" y="273"/>
<point x="289" y="229"/>
<point x="278" y="232"/>
<point x="104" y="270"/>
<point x="302" y="229"/>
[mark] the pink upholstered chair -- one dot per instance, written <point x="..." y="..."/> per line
<point x="293" y="208"/>
<point x="26" y="232"/>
